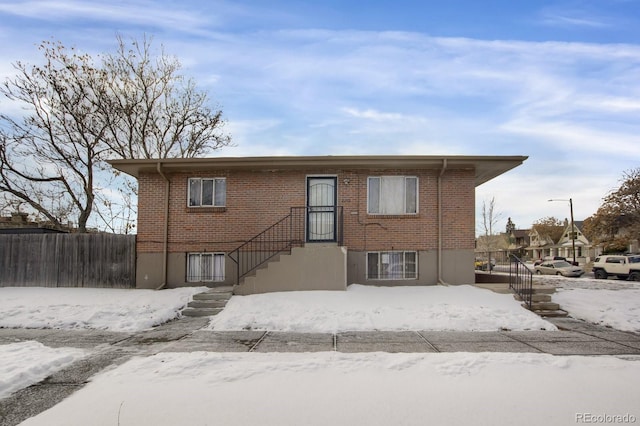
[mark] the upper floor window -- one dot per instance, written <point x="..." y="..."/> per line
<point x="393" y="195"/>
<point x="207" y="192"/>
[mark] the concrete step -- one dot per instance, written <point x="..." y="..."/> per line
<point x="201" y="312"/>
<point x="208" y="295"/>
<point x="209" y="303"/>
<point x="553" y="314"/>
<point x="535" y="297"/>
<point x="213" y="303"/>
<point x="221" y="289"/>
<point x="545" y="306"/>
<point x="543" y="289"/>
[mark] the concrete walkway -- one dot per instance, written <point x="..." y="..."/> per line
<point x="574" y="338"/>
<point x="186" y="335"/>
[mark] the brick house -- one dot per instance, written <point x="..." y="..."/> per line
<point x="308" y="223"/>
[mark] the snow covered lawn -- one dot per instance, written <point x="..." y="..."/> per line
<point x="614" y="303"/>
<point x="25" y="363"/>
<point x="461" y="308"/>
<point x="105" y="309"/>
<point x="330" y="388"/>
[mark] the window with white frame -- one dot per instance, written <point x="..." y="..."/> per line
<point x="392" y="265"/>
<point x="205" y="267"/>
<point x="207" y="192"/>
<point x="392" y="195"/>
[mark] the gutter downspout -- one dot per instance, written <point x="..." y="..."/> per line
<point x="444" y="168"/>
<point x="166" y="227"/>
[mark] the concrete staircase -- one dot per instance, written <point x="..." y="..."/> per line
<point x="541" y="302"/>
<point x="315" y="266"/>
<point x="209" y="303"/>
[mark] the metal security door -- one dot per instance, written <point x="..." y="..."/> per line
<point x="321" y="209"/>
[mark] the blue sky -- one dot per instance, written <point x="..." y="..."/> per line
<point x="557" y="81"/>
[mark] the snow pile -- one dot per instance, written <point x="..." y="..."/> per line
<point x="105" y="309"/>
<point x="462" y="308"/>
<point x="332" y="388"/>
<point x="23" y="364"/>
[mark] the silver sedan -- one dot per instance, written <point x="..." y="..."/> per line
<point x="559" y="267"/>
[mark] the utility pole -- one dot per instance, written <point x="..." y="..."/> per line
<point x="573" y="233"/>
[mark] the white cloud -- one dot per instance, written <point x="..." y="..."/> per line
<point x="371" y="114"/>
<point x="574" y="136"/>
<point x="570" y="21"/>
<point x="572" y="107"/>
<point x="141" y="13"/>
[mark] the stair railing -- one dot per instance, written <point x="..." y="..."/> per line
<point x="279" y="238"/>
<point x="521" y="280"/>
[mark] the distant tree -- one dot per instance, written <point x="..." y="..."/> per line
<point x="79" y="112"/>
<point x="549" y="227"/>
<point x="490" y="242"/>
<point x="510" y="226"/>
<point x="617" y="220"/>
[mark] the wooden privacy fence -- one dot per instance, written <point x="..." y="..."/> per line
<point x="67" y="260"/>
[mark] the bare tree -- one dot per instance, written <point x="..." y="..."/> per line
<point x="151" y="110"/>
<point x="489" y="242"/>
<point x="48" y="157"/>
<point x="79" y="113"/>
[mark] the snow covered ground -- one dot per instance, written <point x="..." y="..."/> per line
<point x="614" y="303"/>
<point x="25" y="363"/>
<point x="331" y="388"/>
<point x="460" y="308"/>
<point x="104" y="309"/>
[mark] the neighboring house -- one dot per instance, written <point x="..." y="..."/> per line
<point x="582" y="245"/>
<point x="501" y="246"/>
<point x="519" y="241"/>
<point x="19" y="223"/>
<point x="542" y="246"/>
<point x="379" y="220"/>
<point x="491" y="246"/>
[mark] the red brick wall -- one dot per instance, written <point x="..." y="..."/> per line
<point x="256" y="200"/>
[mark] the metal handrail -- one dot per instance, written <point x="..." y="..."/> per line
<point x="521" y="280"/>
<point x="281" y="237"/>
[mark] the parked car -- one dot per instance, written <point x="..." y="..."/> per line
<point x="548" y="258"/>
<point x="625" y="267"/>
<point x="483" y="265"/>
<point x="559" y="267"/>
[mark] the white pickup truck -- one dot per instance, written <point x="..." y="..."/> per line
<point x="625" y="267"/>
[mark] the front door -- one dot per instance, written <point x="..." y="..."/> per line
<point x="321" y="209"/>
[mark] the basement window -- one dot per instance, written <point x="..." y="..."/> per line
<point x="207" y="192"/>
<point x="392" y="265"/>
<point x="202" y="267"/>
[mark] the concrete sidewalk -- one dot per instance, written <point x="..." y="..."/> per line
<point x="107" y="349"/>
<point x="574" y="338"/>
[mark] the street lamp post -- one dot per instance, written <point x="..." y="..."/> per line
<point x="573" y="233"/>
